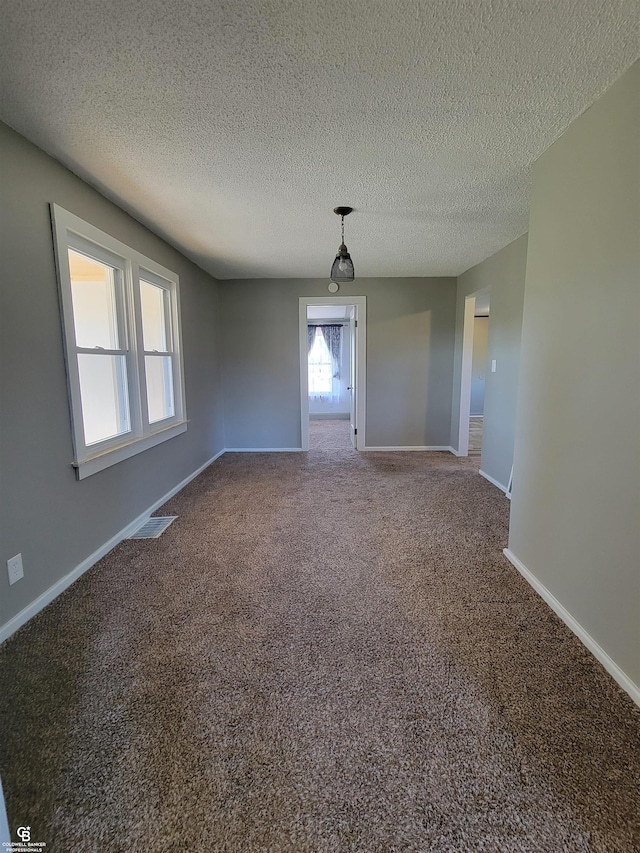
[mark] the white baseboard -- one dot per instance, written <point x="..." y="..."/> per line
<point x="263" y="450"/>
<point x="596" y="650"/>
<point x="329" y="416"/>
<point x="495" y="482"/>
<point x="409" y="447"/>
<point x="299" y="449"/>
<point x="54" y="591"/>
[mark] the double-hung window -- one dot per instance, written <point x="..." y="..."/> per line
<point x="121" y="324"/>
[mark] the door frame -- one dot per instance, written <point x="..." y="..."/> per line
<point x="360" y="304"/>
<point x="466" y="369"/>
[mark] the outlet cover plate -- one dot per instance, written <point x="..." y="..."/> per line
<point x="14" y="568"/>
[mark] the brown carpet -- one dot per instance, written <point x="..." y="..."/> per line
<point x="329" y="434"/>
<point x="324" y="652"/>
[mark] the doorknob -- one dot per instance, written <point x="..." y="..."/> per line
<point x="349" y="387"/>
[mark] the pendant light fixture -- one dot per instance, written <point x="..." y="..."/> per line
<point x="342" y="269"/>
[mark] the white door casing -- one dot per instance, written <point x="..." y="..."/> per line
<point x="353" y="376"/>
<point x="465" y="378"/>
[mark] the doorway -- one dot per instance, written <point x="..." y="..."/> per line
<point x="332" y="372"/>
<point x="474" y="368"/>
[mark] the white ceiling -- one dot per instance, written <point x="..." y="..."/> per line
<point x="233" y="127"/>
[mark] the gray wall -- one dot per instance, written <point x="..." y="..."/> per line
<point x="410" y="329"/>
<point x="54" y="520"/>
<point x="504" y="274"/>
<point x="575" y="519"/>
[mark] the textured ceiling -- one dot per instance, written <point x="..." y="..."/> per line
<point x="232" y="128"/>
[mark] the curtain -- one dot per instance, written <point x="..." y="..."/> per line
<point x="333" y="339"/>
<point x="311" y="336"/>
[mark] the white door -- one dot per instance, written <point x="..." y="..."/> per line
<point x="353" y="332"/>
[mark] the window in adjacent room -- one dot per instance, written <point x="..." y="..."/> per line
<point x="121" y="323"/>
<point x="320" y="364"/>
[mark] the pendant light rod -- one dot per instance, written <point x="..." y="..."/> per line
<point x="342" y="212"/>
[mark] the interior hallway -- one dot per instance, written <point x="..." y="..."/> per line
<point x="329" y="434"/>
<point x="326" y="651"/>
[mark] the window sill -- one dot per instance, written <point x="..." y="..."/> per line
<point x="113" y="455"/>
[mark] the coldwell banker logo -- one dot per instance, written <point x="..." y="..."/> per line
<point x="25" y="843"/>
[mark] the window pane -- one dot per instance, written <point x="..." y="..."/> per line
<point x="159" y="387"/>
<point x="320" y="366"/>
<point x="93" y="291"/>
<point x="154" y="319"/>
<point x="103" y="391"/>
<point x="320" y="380"/>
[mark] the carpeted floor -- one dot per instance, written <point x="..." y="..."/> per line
<point x="325" y="652"/>
<point x="329" y="434"/>
<point x="476" y="425"/>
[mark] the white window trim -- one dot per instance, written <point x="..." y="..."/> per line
<point x="67" y="228"/>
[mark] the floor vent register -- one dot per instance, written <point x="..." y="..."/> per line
<point x="153" y="527"/>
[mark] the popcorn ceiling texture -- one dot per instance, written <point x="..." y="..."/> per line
<point x="233" y="128"/>
<point x="327" y="652"/>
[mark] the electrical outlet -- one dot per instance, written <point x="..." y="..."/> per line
<point x="494" y="364"/>
<point x="14" y="567"/>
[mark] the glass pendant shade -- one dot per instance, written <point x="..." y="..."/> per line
<point x="342" y="269"/>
